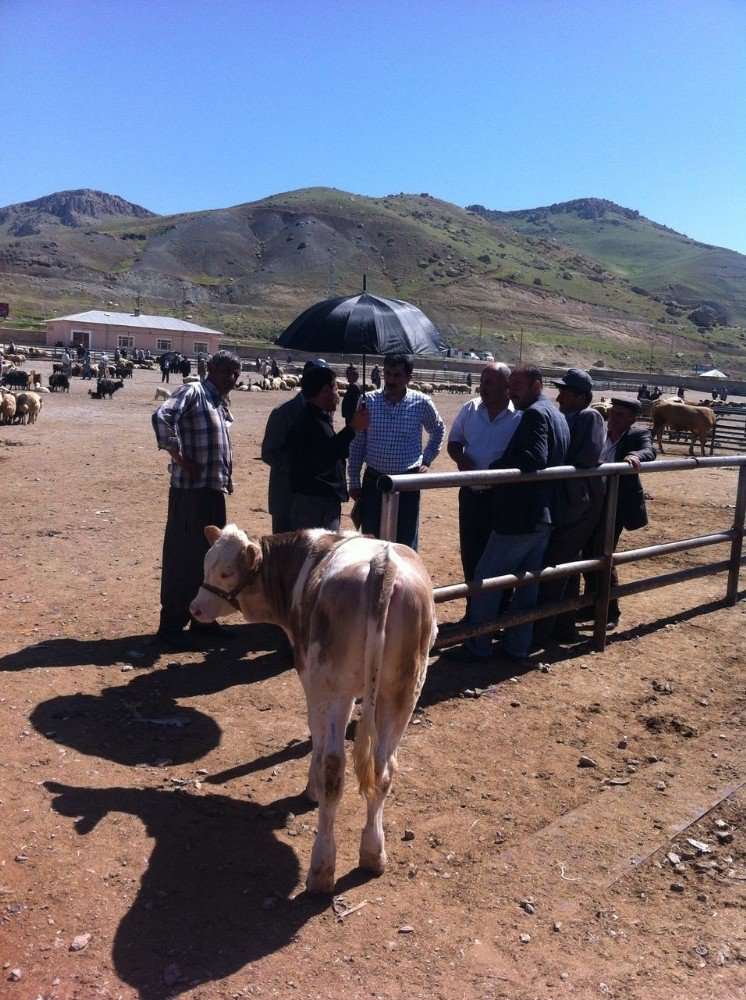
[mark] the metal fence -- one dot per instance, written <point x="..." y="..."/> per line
<point x="392" y="486"/>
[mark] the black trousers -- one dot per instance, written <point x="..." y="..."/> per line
<point x="566" y="544"/>
<point x="184" y="548"/>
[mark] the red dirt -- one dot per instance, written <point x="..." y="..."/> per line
<point x="152" y="803"/>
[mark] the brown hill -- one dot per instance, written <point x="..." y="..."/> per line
<point x="250" y="269"/>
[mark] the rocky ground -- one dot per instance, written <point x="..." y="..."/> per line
<point x="152" y="839"/>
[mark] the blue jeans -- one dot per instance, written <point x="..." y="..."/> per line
<point x="508" y="554"/>
<point x="408" y="522"/>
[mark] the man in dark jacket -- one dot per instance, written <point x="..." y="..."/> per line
<point x="581" y="499"/>
<point x="316" y="454"/>
<point x="523" y="513"/>
<point x="274" y="454"/>
<point x="634" y="445"/>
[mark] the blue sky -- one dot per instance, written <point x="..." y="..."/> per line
<point x="189" y="105"/>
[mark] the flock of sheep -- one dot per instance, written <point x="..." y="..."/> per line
<point x="20" y="407"/>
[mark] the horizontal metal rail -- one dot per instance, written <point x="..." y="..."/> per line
<point x="391" y="486"/>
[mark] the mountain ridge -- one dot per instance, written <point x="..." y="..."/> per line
<point x="259" y="264"/>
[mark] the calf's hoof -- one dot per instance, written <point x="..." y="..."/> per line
<point x="375" y="863"/>
<point x="320" y="881"/>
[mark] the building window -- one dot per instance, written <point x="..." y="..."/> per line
<point x="162" y="344"/>
<point x="200" y="347"/>
<point x="123" y="340"/>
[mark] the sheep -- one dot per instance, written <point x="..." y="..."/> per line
<point x="28" y="405"/>
<point x="161" y="393"/>
<point x="7" y="407"/>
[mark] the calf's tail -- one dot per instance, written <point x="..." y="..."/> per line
<point x="381" y="580"/>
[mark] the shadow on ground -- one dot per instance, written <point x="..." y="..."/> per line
<point x="215" y="895"/>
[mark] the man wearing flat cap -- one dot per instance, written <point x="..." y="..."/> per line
<point x="581" y="499"/>
<point x="625" y="443"/>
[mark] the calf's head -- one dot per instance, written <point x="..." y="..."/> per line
<point x="231" y="564"/>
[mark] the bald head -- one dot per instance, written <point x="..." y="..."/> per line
<point x="493" y="387"/>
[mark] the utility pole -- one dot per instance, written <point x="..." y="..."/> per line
<point x="652" y="342"/>
<point x="480" y="334"/>
<point x="520" y="350"/>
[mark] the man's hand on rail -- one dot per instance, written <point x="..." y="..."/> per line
<point x="634" y="461"/>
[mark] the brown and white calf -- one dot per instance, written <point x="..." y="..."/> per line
<point x="359" y="613"/>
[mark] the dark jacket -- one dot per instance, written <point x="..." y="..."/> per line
<point x="580" y="497"/>
<point x="316" y="455"/>
<point x="631" y="512"/>
<point x="541" y="440"/>
<point x="349" y="403"/>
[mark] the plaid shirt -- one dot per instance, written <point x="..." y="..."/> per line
<point x="195" y="421"/>
<point x="393" y="441"/>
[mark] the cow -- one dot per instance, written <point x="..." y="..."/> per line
<point x="699" y="421"/>
<point x="359" y="613"/>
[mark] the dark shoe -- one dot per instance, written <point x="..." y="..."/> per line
<point x="612" y="623"/>
<point x="207" y="628"/>
<point x="565" y="634"/>
<point x="171" y="641"/>
<point x="511" y="659"/>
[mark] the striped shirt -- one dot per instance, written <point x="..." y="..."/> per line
<point x="195" y="421"/>
<point x="393" y="441"/>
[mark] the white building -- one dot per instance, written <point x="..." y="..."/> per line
<point x="97" y="330"/>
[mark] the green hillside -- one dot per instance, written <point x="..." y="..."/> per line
<point x="250" y="269"/>
<point x="650" y="255"/>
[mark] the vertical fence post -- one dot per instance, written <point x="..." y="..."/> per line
<point x="604" y="576"/>
<point x="389" y="516"/>
<point x="736" y="546"/>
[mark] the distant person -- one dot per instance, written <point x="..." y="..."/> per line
<point x="643" y="392"/>
<point x="275" y="368"/>
<point x="393" y="444"/>
<point x="724" y="393"/>
<point x="67" y="362"/>
<point x="681" y="393"/>
<point x="80" y="352"/>
<point x="12" y="347"/>
<point x="103" y="364"/>
<point x="468" y="379"/>
<point x="274" y="453"/>
<point x="349" y="370"/>
<point x="316" y="454"/>
<point x="352" y="395"/>
<point x="656" y="393"/>
<point x="375" y="376"/>
<point x="165" y="365"/>
<point x="201" y="366"/>
<point x="87" y="370"/>
<point x="117" y="355"/>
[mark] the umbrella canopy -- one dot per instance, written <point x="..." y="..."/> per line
<point x="712" y="373"/>
<point x="363" y="324"/>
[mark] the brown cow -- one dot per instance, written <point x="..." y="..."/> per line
<point x="699" y="421"/>
<point x="360" y="615"/>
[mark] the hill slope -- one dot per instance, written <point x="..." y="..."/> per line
<point x="648" y="254"/>
<point x="250" y="269"/>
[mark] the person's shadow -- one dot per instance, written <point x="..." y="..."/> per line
<point x="216" y="892"/>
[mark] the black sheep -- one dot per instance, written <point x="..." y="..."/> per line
<point x="106" y="387"/>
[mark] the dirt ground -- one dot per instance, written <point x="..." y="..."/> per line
<point x="152" y="839"/>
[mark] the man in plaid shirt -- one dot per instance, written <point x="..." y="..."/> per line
<point x="393" y="444"/>
<point x="192" y="426"/>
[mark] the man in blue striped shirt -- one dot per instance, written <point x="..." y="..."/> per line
<point x="393" y="444"/>
<point x="192" y="426"/>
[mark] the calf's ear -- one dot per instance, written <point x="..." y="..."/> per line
<point x="252" y="555"/>
<point x="212" y="533"/>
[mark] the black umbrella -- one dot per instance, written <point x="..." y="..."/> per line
<point x="363" y="324"/>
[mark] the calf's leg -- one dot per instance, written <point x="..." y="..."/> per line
<point x="331" y="774"/>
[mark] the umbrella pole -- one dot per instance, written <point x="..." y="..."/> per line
<point x="363" y="372"/>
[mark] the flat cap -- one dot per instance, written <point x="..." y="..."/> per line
<point x="628" y="404"/>
<point x="575" y="379"/>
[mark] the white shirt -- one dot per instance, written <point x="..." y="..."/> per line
<point x="484" y="440"/>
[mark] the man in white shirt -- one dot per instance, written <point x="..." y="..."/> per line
<point x="479" y="436"/>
